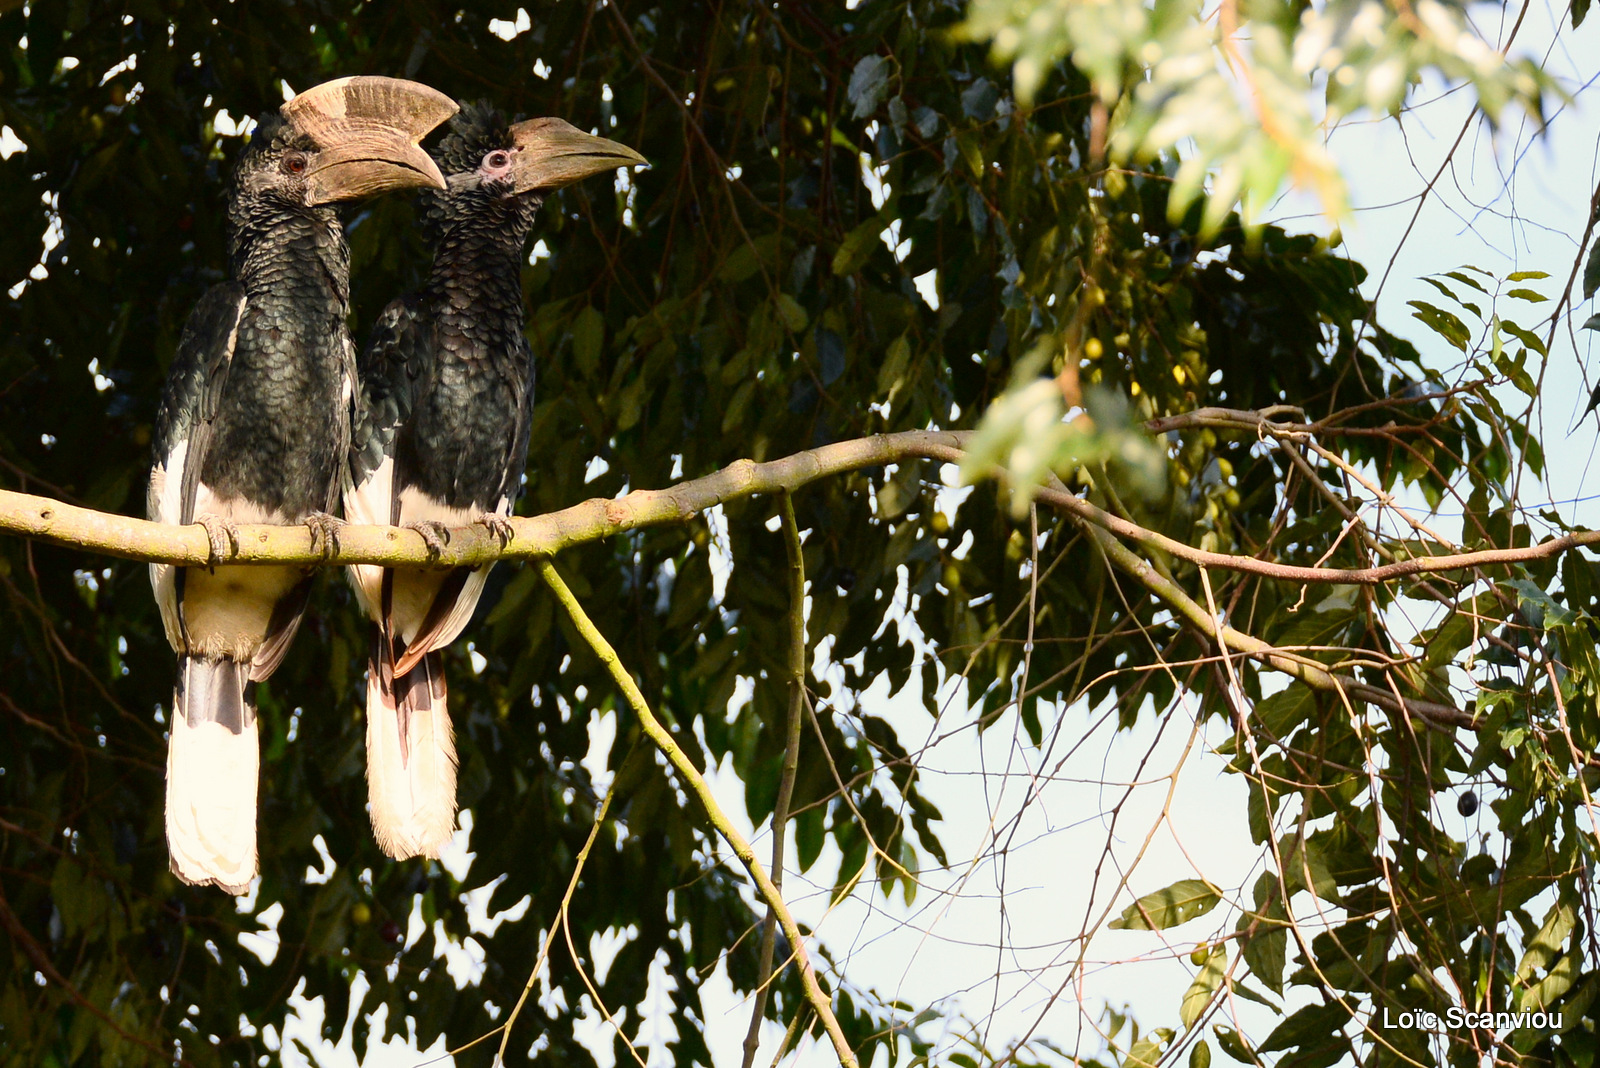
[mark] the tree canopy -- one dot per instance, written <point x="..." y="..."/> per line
<point x="1209" y="488"/>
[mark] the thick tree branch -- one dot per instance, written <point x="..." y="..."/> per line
<point x="136" y="539"/>
<point x="593" y="520"/>
<point x="702" y="790"/>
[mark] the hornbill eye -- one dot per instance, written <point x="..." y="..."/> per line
<point x="295" y="163"/>
<point x="498" y="160"/>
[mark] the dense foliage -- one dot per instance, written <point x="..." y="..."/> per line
<point x="754" y="294"/>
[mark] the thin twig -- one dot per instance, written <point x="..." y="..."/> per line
<point x="46" y="967"/>
<point x="1309" y="671"/>
<point x="791" y="764"/>
<point x="697" y="783"/>
<point x="566" y="902"/>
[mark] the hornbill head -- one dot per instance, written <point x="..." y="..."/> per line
<point x="344" y="140"/>
<point x="547" y="154"/>
<point x="483" y="153"/>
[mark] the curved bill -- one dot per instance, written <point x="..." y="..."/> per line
<point x="366" y="129"/>
<point x="552" y="153"/>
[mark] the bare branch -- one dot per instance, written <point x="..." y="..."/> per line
<point x="791" y="764"/>
<point x="593" y="520"/>
<point x="52" y="521"/>
<point x="136" y="539"/>
<point x="719" y="819"/>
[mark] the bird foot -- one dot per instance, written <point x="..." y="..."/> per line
<point x="222" y="538"/>
<point x="434" y="533"/>
<point x="324" y="529"/>
<point x="500" y="526"/>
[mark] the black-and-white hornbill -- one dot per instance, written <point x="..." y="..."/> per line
<point x="441" y="440"/>
<point x="254" y="427"/>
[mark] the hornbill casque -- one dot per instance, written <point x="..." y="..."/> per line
<point x="254" y="427"/>
<point x="441" y="439"/>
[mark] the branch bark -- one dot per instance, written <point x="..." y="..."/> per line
<point x="542" y="536"/>
<point x="48" y="520"/>
<point x="45" y="519"/>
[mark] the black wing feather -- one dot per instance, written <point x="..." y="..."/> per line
<point x="393" y="369"/>
<point x="517" y="458"/>
<point x="194" y="386"/>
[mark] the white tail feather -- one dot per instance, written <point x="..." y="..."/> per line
<point x="411" y="785"/>
<point x="212" y="770"/>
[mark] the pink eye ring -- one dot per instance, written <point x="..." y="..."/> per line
<point x="498" y="160"/>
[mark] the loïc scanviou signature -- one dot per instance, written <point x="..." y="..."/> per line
<point x="1456" y="1018"/>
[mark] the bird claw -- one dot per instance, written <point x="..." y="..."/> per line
<point x="222" y="538"/>
<point x="500" y="526"/>
<point x="324" y="529"/>
<point x="434" y="534"/>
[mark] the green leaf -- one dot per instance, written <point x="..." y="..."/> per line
<point x="1526" y="276"/>
<point x="1443" y="644"/>
<point x="1304" y="868"/>
<point x="1591" y="272"/>
<point x="1266" y="949"/>
<point x="1548" y="940"/>
<point x="1234" y="1045"/>
<point x="1527" y="337"/>
<point x="1592" y="323"/>
<point x="901" y="490"/>
<point x="869" y="83"/>
<point x="1282" y="713"/>
<point x="1467" y="279"/>
<point x="1200" y="1055"/>
<point x="1528" y="295"/>
<point x="1553" y="986"/>
<point x="1540" y="608"/>
<point x="978" y="100"/>
<point x="1446" y="324"/>
<point x="1204" y="988"/>
<point x="1146" y="1052"/>
<point x="1177" y="904"/>
<point x="891" y="374"/>
<point x="747" y="257"/>
<point x="1306" y="1027"/>
<point x="588" y="337"/>
<point x="857" y="247"/>
<point x="1447" y="291"/>
<point x="971" y="148"/>
<point x="738" y="405"/>
<point x="810" y="834"/>
<point x="1517" y="372"/>
<point x="1239" y="989"/>
<point x="792" y="314"/>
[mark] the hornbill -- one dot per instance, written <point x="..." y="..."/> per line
<point x="253" y="427"/>
<point x="441" y="439"/>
